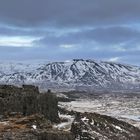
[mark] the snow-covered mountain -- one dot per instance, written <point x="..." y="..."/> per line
<point x="74" y="74"/>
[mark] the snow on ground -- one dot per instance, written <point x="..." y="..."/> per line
<point x="4" y="123"/>
<point x="61" y="95"/>
<point x="34" y="126"/>
<point x="65" y="126"/>
<point x="123" y="107"/>
<point x="131" y="117"/>
<point x="76" y="74"/>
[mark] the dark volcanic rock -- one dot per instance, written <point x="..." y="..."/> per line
<point x="26" y="114"/>
<point x="34" y="127"/>
<point x="47" y="135"/>
<point x="92" y="126"/>
<point x="27" y="100"/>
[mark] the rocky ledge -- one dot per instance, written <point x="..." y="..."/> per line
<point x="27" y="100"/>
<point x="33" y="127"/>
<point x="27" y="114"/>
<point x="93" y="126"/>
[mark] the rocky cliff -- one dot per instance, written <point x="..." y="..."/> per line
<point x="93" y="126"/>
<point x="26" y="114"/>
<point x="32" y="127"/>
<point x="27" y="100"/>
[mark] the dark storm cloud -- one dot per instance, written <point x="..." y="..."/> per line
<point x="9" y="30"/>
<point x="113" y="35"/>
<point x="67" y="29"/>
<point x="106" y="36"/>
<point x="69" y="12"/>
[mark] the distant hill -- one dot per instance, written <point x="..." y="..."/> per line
<point x="77" y="74"/>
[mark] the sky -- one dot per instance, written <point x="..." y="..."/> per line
<point x="61" y="30"/>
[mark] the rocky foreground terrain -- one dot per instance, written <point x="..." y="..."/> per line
<point x="32" y="127"/>
<point x="27" y="114"/>
<point x="92" y="126"/>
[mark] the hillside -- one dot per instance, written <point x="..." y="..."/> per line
<point x="76" y="74"/>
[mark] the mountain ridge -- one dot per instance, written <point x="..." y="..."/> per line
<point x="74" y="74"/>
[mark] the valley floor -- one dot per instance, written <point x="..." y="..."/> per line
<point x="123" y="106"/>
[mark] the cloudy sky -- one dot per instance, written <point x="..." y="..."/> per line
<point x="58" y="30"/>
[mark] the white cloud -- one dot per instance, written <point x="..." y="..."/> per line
<point x="114" y="59"/>
<point x="67" y="61"/>
<point x="68" y="46"/>
<point x="119" y="48"/>
<point x="17" y="41"/>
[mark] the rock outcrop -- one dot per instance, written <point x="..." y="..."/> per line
<point x="33" y="127"/>
<point x="27" y="100"/>
<point x="92" y="126"/>
<point x="27" y="114"/>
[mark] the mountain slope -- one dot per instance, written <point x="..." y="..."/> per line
<point x="74" y="74"/>
<point x="93" y="126"/>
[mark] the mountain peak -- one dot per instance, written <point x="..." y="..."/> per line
<point x="75" y="74"/>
